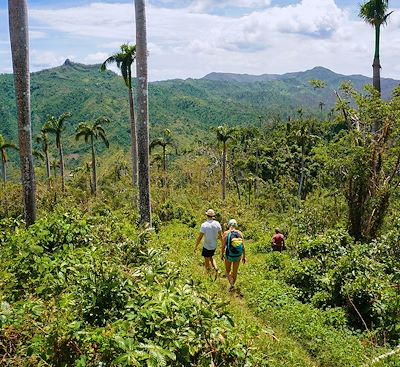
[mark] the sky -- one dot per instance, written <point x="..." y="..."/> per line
<point x="191" y="38"/>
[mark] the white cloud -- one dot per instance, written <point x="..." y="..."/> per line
<point x="185" y="43"/>
<point x="100" y="20"/>
<point x="46" y="59"/>
<point x="206" y="5"/>
<point x="96" y="58"/>
<point x="37" y="34"/>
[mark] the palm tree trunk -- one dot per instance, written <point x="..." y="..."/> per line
<point x="3" y="170"/>
<point x="257" y="172"/>
<point x="164" y="167"/>
<point x="94" y="172"/>
<point x="301" y="180"/>
<point x="376" y="69"/>
<point x="223" y="182"/>
<point x="18" y="21"/>
<point x="133" y="138"/>
<point x="237" y="187"/>
<point x="249" y="186"/>
<point x="143" y="112"/>
<point x="61" y="154"/>
<point x="46" y="155"/>
<point x="376" y="66"/>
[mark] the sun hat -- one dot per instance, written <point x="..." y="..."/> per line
<point x="232" y="223"/>
<point x="210" y="213"/>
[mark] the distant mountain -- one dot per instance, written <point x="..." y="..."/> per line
<point x="188" y="107"/>
<point x="332" y="79"/>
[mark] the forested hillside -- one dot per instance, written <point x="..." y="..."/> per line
<point x="189" y="107"/>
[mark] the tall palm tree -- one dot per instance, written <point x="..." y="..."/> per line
<point x="124" y="60"/>
<point x="224" y="133"/>
<point x="303" y="136"/>
<point x="374" y="12"/>
<point x="54" y="165"/>
<point x="56" y="126"/>
<point x="92" y="132"/>
<point x="43" y="139"/>
<point x="86" y="171"/>
<point x="143" y="112"/>
<point x="4" y="145"/>
<point x="18" y="22"/>
<point x="163" y="142"/>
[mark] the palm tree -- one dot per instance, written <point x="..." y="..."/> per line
<point x="3" y="146"/>
<point x="56" y="126"/>
<point x="43" y="139"/>
<point x="86" y="170"/>
<point x="55" y="165"/>
<point x="18" y="22"/>
<point x="124" y="61"/>
<point x="374" y="12"/>
<point x="163" y="142"/>
<point x="224" y="133"/>
<point x="305" y="139"/>
<point x="143" y="109"/>
<point x="92" y="132"/>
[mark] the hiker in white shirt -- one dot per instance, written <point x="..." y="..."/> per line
<point x="211" y="231"/>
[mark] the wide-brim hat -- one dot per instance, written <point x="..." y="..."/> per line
<point x="210" y="213"/>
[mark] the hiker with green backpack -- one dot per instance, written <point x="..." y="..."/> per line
<point x="232" y="252"/>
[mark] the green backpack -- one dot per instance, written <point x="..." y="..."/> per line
<point x="234" y="244"/>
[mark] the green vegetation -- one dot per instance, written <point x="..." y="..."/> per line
<point x="88" y="285"/>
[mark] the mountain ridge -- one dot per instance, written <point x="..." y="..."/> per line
<point x="317" y="70"/>
<point x="188" y="107"/>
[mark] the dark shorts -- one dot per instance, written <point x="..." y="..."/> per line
<point x="278" y="248"/>
<point x="207" y="253"/>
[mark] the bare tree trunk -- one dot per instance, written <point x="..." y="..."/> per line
<point x="143" y="112"/>
<point x="18" y="21"/>
<point x="133" y="141"/>
<point x="61" y="154"/>
<point x="94" y="173"/>
<point x="223" y="182"/>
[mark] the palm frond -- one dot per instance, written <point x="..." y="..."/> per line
<point x="157" y="142"/>
<point x="110" y="60"/>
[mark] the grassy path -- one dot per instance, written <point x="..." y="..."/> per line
<point x="277" y="348"/>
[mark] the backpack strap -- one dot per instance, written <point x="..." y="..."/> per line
<point x="228" y="242"/>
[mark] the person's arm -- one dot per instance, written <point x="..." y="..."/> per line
<point x="198" y="240"/>
<point x="223" y="245"/>
<point x="244" y="250"/>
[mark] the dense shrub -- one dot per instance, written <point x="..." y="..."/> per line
<point x="102" y="298"/>
<point x="331" y="271"/>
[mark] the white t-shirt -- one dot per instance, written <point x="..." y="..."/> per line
<point x="210" y="230"/>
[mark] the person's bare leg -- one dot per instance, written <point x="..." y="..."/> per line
<point x="207" y="263"/>
<point x="228" y="266"/>
<point x="235" y="271"/>
<point x="213" y="263"/>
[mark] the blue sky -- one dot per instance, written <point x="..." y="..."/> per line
<point x="190" y="38"/>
